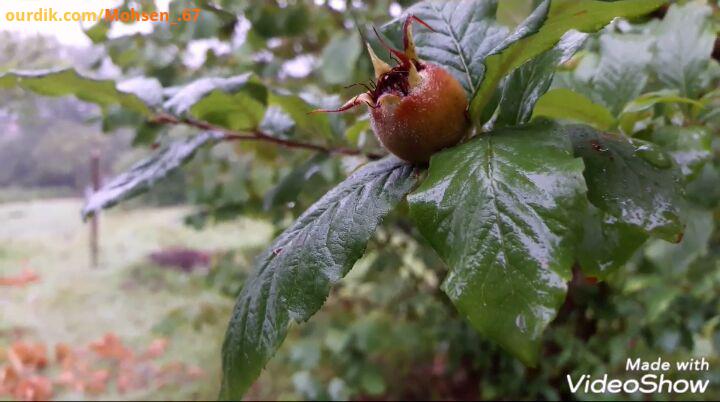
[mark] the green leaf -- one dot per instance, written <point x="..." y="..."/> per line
<point x="524" y="87"/>
<point x="465" y="32"/>
<point x="678" y="257"/>
<point x="541" y="31"/>
<point x="704" y="189"/>
<point x="338" y="390"/>
<point x="277" y="123"/>
<point x="237" y="103"/>
<point x="148" y="89"/>
<point x="146" y="173"/>
<point x="353" y="132"/>
<point x="315" y="125"/>
<point x="684" y="45"/>
<point x="372" y="381"/>
<point x="650" y="99"/>
<point x="307" y="386"/>
<point x="641" y="108"/>
<point x="709" y="113"/>
<point x="500" y="210"/>
<point x="198" y="19"/>
<point x="621" y="74"/>
<point x="103" y="93"/>
<point x="564" y="104"/>
<point x="631" y="180"/>
<point x="147" y="133"/>
<point x="271" y="21"/>
<point x="606" y="243"/>
<point x="338" y="59"/>
<point x="513" y="12"/>
<point x="239" y="111"/>
<point x="115" y="117"/>
<point x="98" y="32"/>
<point x="690" y="147"/>
<point x="578" y="77"/>
<point x="294" y="276"/>
<point x="124" y="51"/>
<point x="290" y="186"/>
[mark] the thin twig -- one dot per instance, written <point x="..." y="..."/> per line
<point x="258" y="135"/>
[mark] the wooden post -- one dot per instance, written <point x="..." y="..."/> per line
<point x="95" y="220"/>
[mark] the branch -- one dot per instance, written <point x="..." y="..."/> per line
<point x="257" y="135"/>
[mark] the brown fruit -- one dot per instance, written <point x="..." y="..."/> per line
<point x="417" y="108"/>
<point x="429" y="118"/>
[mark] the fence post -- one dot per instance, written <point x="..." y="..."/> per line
<point x="95" y="220"/>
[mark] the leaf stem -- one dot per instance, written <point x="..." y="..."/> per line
<point x="258" y="135"/>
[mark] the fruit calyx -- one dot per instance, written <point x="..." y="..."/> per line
<point x="395" y="81"/>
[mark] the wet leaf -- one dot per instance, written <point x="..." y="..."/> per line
<point x="293" y="277"/>
<point x="606" y="243"/>
<point x="621" y="74"/>
<point x="146" y="173"/>
<point x="524" y="87"/>
<point x="633" y="181"/>
<point x="690" y="147"/>
<point x="290" y="186"/>
<point x="684" y="45"/>
<point x="500" y="210"/>
<point x="541" y="31"/>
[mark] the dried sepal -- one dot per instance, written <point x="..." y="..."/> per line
<point x="365" y="98"/>
<point x="379" y="65"/>
<point x="408" y="41"/>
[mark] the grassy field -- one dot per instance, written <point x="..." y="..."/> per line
<point x="126" y="295"/>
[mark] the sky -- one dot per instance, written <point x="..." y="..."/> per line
<point x="70" y="33"/>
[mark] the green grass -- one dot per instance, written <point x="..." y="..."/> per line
<point x="76" y="303"/>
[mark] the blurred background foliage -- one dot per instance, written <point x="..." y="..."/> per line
<point x="387" y="332"/>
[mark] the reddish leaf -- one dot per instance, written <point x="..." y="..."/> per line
<point x="35" y="388"/>
<point x="26" y="277"/>
<point x="156" y="349"/>
<point x="110" y="347"/>
<point x="24" y="356"/>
